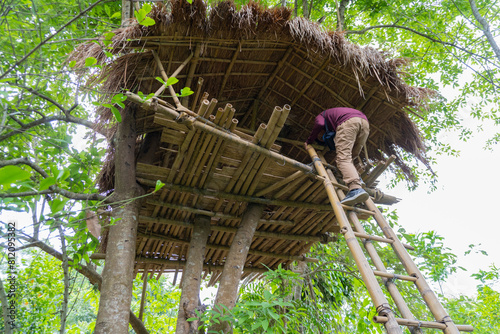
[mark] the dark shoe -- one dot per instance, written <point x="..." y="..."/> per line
<point x="355" y="196"/>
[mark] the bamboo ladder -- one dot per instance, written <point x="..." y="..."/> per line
<point x="346" y="216"/>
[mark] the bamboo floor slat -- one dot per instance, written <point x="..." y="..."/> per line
<point x="227" y="178"/>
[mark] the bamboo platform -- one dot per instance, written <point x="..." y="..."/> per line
<point x="209" y="175"/>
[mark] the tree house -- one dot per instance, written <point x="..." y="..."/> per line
<point x="235" y="146"/>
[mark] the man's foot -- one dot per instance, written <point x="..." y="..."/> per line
<point x="355" y="196"/>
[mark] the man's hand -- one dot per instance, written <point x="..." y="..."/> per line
<point x="305" y="146"/>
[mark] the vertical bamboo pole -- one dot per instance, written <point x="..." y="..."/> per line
<point x="427" y="294"/>
<point x="366" y="271"/>
<point x="144" y="292"/>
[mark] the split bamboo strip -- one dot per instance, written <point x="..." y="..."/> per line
<point x="270" y="79"/>
<point x="244" y="162"/>
<point x="229" y="68"/>
<point x="369" y="279"/>
<point x="428" y="295"/>
<point x="192" y="69"/>
<point x="424" y="324"/>
<point x="311" y="81"/>
<point x="279" y="184"/>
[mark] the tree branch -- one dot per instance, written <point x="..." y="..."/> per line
<point x="52" y="189"/>
<point x="67" y="117"/>
<point x="485" y="28"/>
<point x="432" y="39"/>
<point x="49" y="38"/>
<point x="92" y="275"/>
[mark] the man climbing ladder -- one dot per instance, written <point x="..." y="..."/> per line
<point x="386" y="314"/>
<point x="349" y="128"/>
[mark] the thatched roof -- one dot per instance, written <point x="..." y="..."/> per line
<point x="257" y="58"/>
<point x="254" y="59"/>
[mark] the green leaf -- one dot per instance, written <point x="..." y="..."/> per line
<point x="172" y="81"/>
<point x="160" y="80"/>
<point x="186" y="91"/>
<point x="190" y="1"/>
<point x="90" y="61"/>
<point x="116" y="113"/>
<point x="159" y="185"/>
<point x="116" y="15"/>
<point x="46" y="183"/>
<point x="57" y="205"/>
<point x="72" y="63"/>
<point x="147" y="22"/>
<point x="63" y="175"/>
<point x="12" y="174"/>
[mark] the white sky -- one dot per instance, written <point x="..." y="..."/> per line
<point x="462" y="209"/>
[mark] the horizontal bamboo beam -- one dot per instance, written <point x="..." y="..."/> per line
<point x="216" y="215"/>
<point x="287" y="257"/>
<point x="283" y="236"/>
<point x="394" y="276"/>
<point x="240" y="198"/>
<point x="243" y="198"/>
<point x="200" y="123"/>
<point x="380" y="239"/>
<point x="425" y="324"/>
<point x="167" y="264"/>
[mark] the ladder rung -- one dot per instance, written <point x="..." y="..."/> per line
<point x="425" y="324"/>
<point x="381" y="239"/>
<point x="358" y="210"/>
<point x="389" y="275"/>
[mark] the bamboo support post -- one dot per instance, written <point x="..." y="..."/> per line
<point x="369" y="278"/>
<point x="144" y="292"/>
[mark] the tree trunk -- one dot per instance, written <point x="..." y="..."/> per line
<point x="93" y="277"/>
<point x="5" y="310"/>
<point x="227" y="294"/>
<point x="117" y="276"/>
<point x="341" y="14"/>
<point x="65" y="266"/>
<point x="191" y="277"/>
<point x="305" y="9"/>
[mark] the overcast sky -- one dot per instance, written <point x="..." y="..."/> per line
<point x="464" y="207"/>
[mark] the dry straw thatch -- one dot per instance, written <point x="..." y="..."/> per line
<point x="254" y="59"/>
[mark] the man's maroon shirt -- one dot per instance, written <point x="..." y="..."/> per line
<point x="334" y="117"/>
